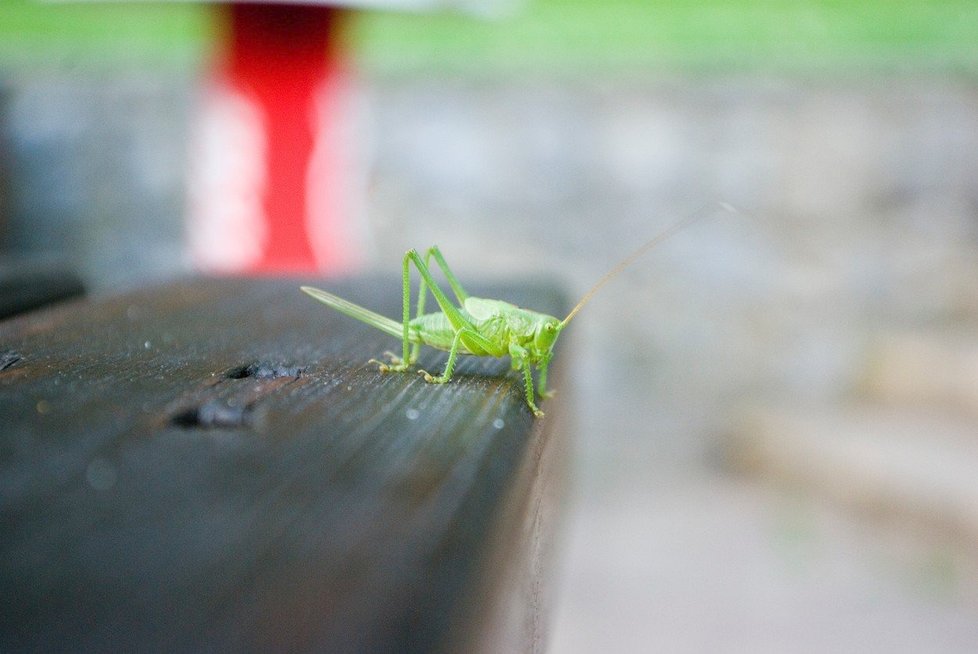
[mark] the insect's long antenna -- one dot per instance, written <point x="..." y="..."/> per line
<point x="672" y="230"/>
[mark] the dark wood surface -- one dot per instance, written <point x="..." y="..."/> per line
<point x="29" y="282"/>
<point x="211" y="465"/>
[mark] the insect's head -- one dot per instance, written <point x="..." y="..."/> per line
<point x="546" y="334"/>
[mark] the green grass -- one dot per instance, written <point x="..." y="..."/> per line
<point x="35" y="35"/>
<point x="568" y="36"/>
<point x="544" y="36"/>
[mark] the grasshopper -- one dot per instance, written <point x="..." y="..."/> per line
<point x="477" y="326"/>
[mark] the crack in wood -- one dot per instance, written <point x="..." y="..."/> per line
<point x="264" y="370"/>
<point x="214" y="414"/>
<point x="8" y="359"/>
<point x="220" y="405"/>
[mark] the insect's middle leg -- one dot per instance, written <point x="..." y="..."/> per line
<point x="474" y="339"/>
<point x="450" y="365"/>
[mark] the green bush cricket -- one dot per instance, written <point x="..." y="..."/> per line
<point x="477" y="326"/>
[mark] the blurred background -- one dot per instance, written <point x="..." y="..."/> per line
<point x="775" y="412"/>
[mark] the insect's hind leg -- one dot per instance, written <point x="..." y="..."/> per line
<point x="454" y="314"/>
<point x="408" y="354"/>
<point x="460" y="292"/>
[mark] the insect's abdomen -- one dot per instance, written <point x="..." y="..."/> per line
<point x="435" y="330"/>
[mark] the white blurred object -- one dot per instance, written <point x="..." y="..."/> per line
<point x="483" y="8"/>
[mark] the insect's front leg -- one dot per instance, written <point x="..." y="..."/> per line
<point x="521" y="359"/>
<point x="542" y="389"/>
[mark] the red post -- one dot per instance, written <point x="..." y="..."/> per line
<point x="267" y="188"/>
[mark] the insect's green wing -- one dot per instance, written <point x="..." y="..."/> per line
<point x="382" y="323"/>
<point x="481" y="308"/>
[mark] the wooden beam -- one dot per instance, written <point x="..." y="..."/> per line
<point x="212" y="465"/>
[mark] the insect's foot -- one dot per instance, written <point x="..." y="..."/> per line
<point x="389" y="367"/>
<point x="431" y="379"/>
<point x="546" y="394"/>
<point x="534" y="408"/>
<point x="381" y="366"/>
